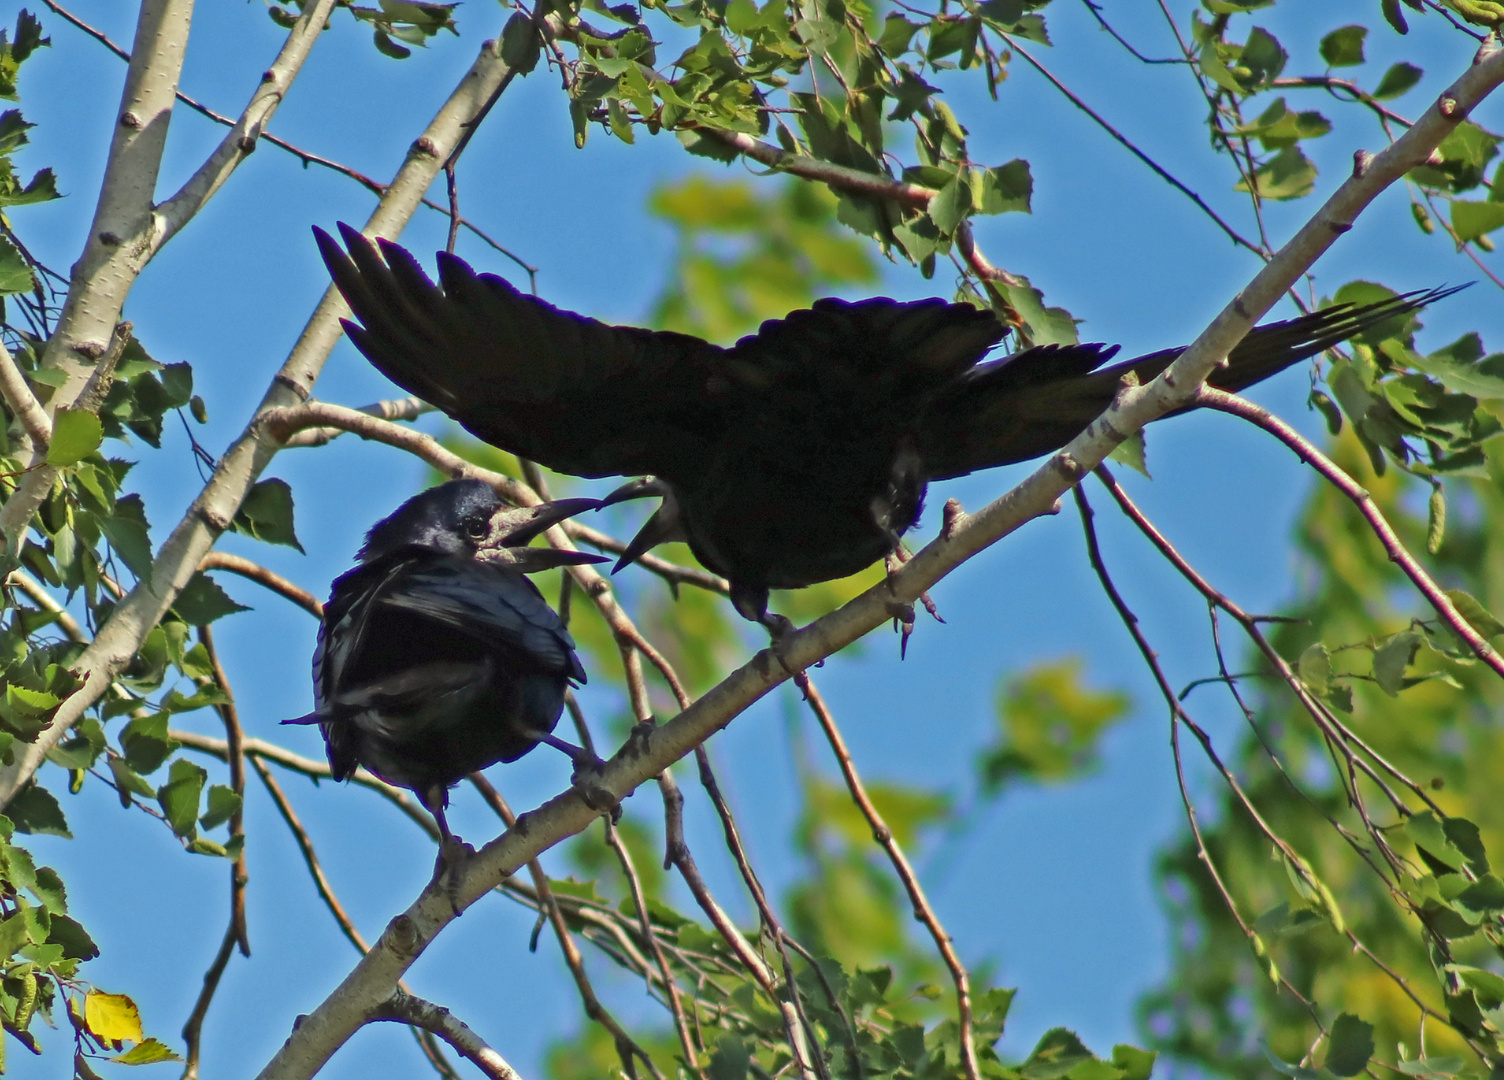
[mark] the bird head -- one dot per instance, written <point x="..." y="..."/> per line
<point x="467" y="517"/>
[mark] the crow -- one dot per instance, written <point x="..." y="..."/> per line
<point x="798" y="455"/>
<point x="436" y="656"/>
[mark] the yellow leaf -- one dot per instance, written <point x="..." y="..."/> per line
<point x="112" y="1017"/>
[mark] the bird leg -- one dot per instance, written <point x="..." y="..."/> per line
<point x="453" y="852"/>
<point x="586" y="778"/>
<point x="903" y="614"/>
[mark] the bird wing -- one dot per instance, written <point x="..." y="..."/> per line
<point x="886" y="349"/>
<point x="493" y="605"/>
<point x="570" y="392"/>
<point x="1036" y="401"/>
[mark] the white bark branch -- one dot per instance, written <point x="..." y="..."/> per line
<point x="240" y="140"/>
<point x="438" y="1020"/>
<point x="128" y="229"/>
<point x="407" y="408"/>
<point x="22" y="402"/>
<point x="215" y="507"/>
<point x="104" y="273"/>
<point x="375" y="977"/>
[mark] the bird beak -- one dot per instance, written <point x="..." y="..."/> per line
<point x="644" y="487"/>
<point x="530" y="560"/>
<point x="515" y="526"/>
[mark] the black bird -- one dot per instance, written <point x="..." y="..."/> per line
<point x="436" y="656"/>
<point x="800" y="454"/>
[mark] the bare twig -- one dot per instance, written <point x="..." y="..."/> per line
<point x="408" y="408"/>
<point x="235" y="755"/>
<point x="310" y="856"/>
<point x="237" y="564"/>
<point x="1338" y="478"/>
<point x="37" y="594"/>
<point x="627" y="1048"/>
<point x="1178" y="716"/>
<point x="193" y="1029"/>
<point x="318" y="770"/>
<point x="407" y="1009"/>
<point x="1118" y="137"/>
<point x="923" y="911"/>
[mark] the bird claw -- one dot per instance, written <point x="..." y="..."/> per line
<point x="453" y="854"/>
<point x="639" y="738"/>
<point x="587" y="781"/>
<point x="903" y="621"/>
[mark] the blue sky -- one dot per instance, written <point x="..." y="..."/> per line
<point x="1055" y="887"/>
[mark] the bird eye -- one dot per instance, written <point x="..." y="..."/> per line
<point x="477" y="527"/>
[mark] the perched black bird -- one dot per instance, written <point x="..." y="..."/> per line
<point x="800" y="454"/>
<point x="436" y="656"/>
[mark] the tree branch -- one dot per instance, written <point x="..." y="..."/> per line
<point x="1222" y="401"/>
<point x="252" y="571"/>
<point x="409" y="934"/>
<point x="407" y="1009"/>
<point x="216" y="505"/>
<point x="23" y="403"/>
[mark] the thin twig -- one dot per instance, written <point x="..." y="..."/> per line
<point x="307" y="157"/>
<point x="310" y="856"/>
<point x="627" y="1048"/>
<point x="193" y="1029"/>
<point x="37" y="594"/>
<point x="1334" y="474"/>
<point x="1178" y="716"/>
<point x="436" y="1020"/>
<point x="408" y="408"/>
<point x="235" y="753"/>
<point x="1127" y="144"/>
<point x="236" y="564"/>
<point x="923" y="911"/>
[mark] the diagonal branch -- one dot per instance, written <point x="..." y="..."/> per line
<point x="407" y="1009"/>
<point x="1335" y="475"/>
<point x="924" y="912"/>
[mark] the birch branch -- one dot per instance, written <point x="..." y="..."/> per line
<point x="127" y="229"/>
<point x="372" y="981"/>
<point x="441" y="1022"/>
<point x="24" y="403"/>
<point x="215" y="507"/>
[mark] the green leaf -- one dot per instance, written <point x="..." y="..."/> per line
<point x="1349" y="1045"/>
<point x="1397" y="80"/>
<point x="179" y="797"/>
<point x="15" y="272"/>
<point x="74" y="939"/>
<point x="1343" y="47"/>
<point x="1288" y="175"/>
<point x="267" y="514"/>
<point x="75" y="435"/>
<point x="520" y="46"/>
<point x="146" y="746"/>
<point x="36" y="810"/>
<point x="128" y="533"/>
<point x="1474" y="219"/>
<point x="1436" y="519"/>
<point x="1135" y="1064"/>
<point x="1389" y="663"/>
<point x="1478" y="617"/>
<point x="1058" y="1052"/>
<point x="146" y="1053"/>
<point x="1131" y="452"/>
<point x="1005" y="189"/>
<point x="202" y="601"/>
<point x="1432" y="1068"/>
<point x="1051" y="725"/>
<point x="951" y="204"/>
<point x="223" y="803"/>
